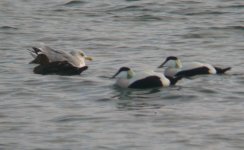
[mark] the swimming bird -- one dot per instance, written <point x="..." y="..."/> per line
<point x="127" y="78"/>
<point x="58" y="62"/>
<point x="175" y="68"/>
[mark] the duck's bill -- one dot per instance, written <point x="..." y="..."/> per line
<point x="162" y="65"/>
<point x="115" y="75"/>
<point x="89" y="58"/>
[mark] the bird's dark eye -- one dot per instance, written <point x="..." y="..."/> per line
<point x="82" y="54"/>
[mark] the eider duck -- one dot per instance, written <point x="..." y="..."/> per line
<point x="175" y="68"/>
<point x="127" y="78"/>
<point x="58" y="62"/>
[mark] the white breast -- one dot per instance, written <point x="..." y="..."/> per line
<point x="124" y="83"/>
<point x="171" y="71"/>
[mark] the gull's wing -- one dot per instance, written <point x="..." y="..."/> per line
<point x="54" y="55"/>
<point x="74" y="58"/>
<point x="57" y="55"/>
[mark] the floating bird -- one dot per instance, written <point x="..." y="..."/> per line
<point x="175" y="68"/>
<point x="127" y="78"/>
<point x="58" y="62"/>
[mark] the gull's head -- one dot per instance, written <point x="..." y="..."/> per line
<point x="81" y="55"/>
<point x="124" y="73"/>
<point x="171" y="61"/>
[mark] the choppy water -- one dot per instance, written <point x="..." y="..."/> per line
<point x="88" y="112"/>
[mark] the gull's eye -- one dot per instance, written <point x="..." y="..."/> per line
<point x="82" y="54"/>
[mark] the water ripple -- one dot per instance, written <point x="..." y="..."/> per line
<point x="130" y="8"/>
<point x="74" y="3"/>
<point x="87" y="111"/>
<point x="207" y="12"/>
<point x="73" y="118"/>
<point x="8" y="28"/>
<point x="238" y="6"/>
<point x="228" y="28"/>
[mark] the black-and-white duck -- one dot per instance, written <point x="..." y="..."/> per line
<point x="58" y="62"/>
<point x="127" y="78"/>
<point x="174" y="68"/>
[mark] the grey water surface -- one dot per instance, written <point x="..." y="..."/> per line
<point x="88" y="112"/>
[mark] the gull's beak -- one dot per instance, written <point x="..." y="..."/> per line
<point x="162" y="65"/>
<point x="88" y="58"/>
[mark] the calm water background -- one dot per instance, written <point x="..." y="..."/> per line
<point x="87" y="111"/>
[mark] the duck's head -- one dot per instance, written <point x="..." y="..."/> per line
<point x="171" y="61"/>
<point x="124" y="72"/>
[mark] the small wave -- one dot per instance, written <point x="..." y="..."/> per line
<point x="232" y="6"/>
<point x="71" y="118"/>
<point x="67" y="118"/>
<point x="175" y="3"/>
<point x="74" y="2"/>
<point x="139" y="18"/>
<point x="148" y="18"/>
<point x="8" y="28"/>
<point x="193" y="35"/>
<point x="237" y="27"/>
<point x="237" y="6"/>
<point x="207" y="91"/>
<point x="130" y="8"/>
<point x="59" y="10"/>
<point x="204" y="13"/>
<point x="131" y="0"/>
<point x="103" y="100"/>
<point x="228" y="28"/>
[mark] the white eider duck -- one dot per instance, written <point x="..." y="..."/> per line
<point x="127" y="78"/>
<point x="58" y="62"/>
<point x="175" y="68"/>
